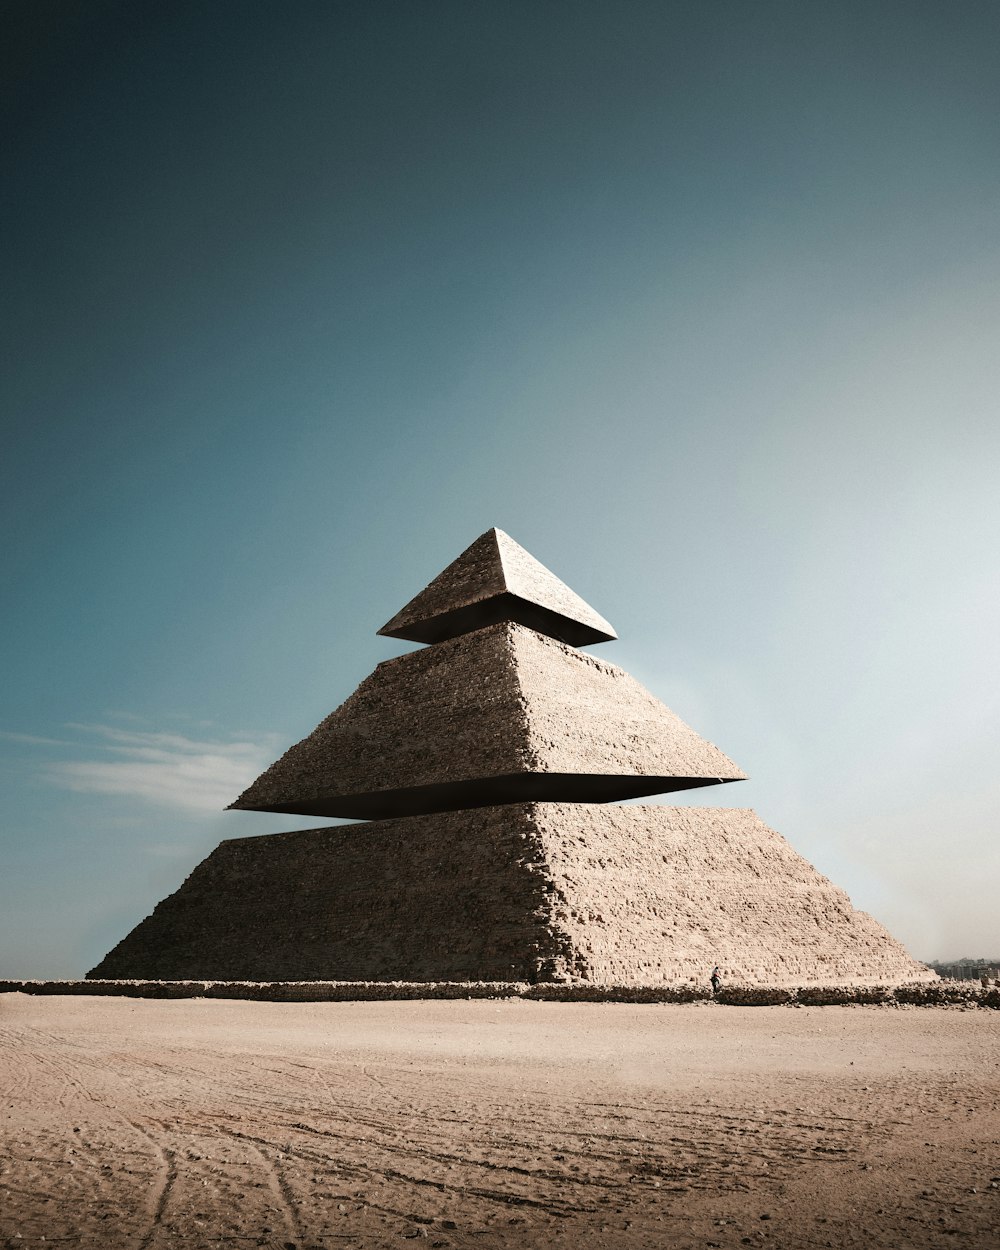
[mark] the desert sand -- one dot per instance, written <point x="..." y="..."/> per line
<point x="152" y="1124"/>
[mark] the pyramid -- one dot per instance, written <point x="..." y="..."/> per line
<point x="490" y="768"/>
<point x="494" y="580"/>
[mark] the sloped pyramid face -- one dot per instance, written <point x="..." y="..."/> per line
<point x="494" y="580"/>
<point x="500" y="715"/>
<point x="635" y="895"/>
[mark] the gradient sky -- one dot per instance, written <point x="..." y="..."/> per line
<point x="699" y="301"/>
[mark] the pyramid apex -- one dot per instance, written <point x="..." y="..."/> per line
<point x="496" y="579"/>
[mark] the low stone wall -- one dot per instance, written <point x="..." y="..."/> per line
<point x="755" y="995"/>
<point x="833" y="995"/>
<point x="120" y="989"/>
<point x="586" y="993"/>
<point x="945" y="993"/>
<point x="360" y="991"/>
<point x="277" y="991"/>
<point x="937" y="994"/>
<point x="917" y="994"/>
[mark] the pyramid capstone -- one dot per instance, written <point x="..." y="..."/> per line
<point x="493" y="580"/>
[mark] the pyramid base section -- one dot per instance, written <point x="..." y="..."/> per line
<point x="538" y="892"/>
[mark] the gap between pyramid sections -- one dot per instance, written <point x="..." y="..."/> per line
<point x="493" y="713"/>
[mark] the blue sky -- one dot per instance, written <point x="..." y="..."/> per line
<point x="699" y="302"/>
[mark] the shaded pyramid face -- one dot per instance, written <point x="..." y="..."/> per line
<point x="501" y="715"/>
<point x="494" y="580"/>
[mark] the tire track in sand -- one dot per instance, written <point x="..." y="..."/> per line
<point x="163" y="1157"/>
<point x="284" y="1197"/>
<point x="157" y="1204"/>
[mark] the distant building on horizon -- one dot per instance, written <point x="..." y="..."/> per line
<point x="966" y="969"/>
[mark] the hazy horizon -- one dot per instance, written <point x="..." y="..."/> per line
<point x="699" y="303"/>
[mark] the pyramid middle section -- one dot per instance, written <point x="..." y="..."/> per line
<point x="500" y="715"/>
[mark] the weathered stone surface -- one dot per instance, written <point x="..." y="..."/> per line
<point x="548" y="892"/>
<point x="493" y="580"/>
<point x="497" y="716"/>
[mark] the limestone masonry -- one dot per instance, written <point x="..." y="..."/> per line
<point x="488" y="764"/>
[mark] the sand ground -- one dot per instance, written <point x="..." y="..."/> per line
<point x="150" y="1124"/>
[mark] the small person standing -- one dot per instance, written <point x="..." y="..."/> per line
<point x="716" y="979"/>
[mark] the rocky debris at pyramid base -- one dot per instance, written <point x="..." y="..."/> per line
<point x="545" y="893"/>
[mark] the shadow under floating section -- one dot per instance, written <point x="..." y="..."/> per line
<point x="492" y="791"/>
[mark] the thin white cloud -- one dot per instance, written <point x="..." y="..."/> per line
<point x="168" y="769"/>
<point x="33" y="740"/>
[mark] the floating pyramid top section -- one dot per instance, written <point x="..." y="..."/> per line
<point x="500" y="715"/>
<point x="497" y="580"/>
